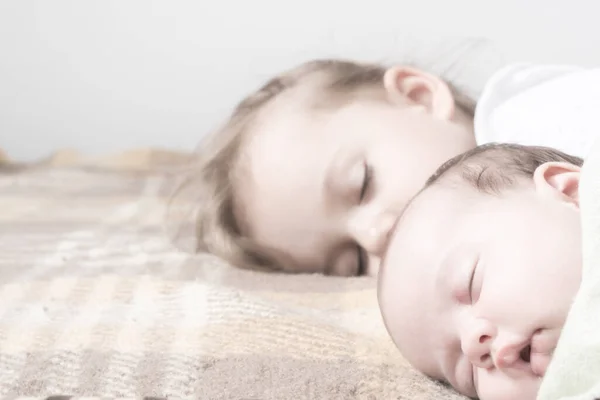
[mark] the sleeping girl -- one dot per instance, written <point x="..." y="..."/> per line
<point x="482" y="269"/>
<point x="310" y="172"/>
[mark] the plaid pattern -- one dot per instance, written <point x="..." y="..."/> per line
<point x="96" y="302"/>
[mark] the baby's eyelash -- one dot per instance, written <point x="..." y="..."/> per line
<point x="472" y="281"/>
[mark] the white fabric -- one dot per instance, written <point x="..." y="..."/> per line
<point x="540" y="105"/>
<point x="574" y="373"/>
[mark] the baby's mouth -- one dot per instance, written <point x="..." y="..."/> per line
<point x="525" y="354"/>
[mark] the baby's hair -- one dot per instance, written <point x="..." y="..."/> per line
<point x="217" y="173"/>
<point x="492" y="167"/>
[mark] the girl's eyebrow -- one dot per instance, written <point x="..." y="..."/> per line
<point x="331" y="179"/>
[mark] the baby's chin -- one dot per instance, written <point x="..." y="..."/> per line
<point x="495" y="385"/>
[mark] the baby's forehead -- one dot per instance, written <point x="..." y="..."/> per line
<point x="400" y="238"/>
<point x="430" y="202"/>
<point x="408" y="292"/>
<point x="432" y="195"/>
<point x="405" y="299"/>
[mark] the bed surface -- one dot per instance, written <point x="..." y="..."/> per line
<point x="94" y="301"/>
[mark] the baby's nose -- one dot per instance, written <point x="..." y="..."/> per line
<point x="476" y="342"/>
<point x="478" y="352"/>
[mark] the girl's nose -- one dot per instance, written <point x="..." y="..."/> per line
<point x="372" y="231"/>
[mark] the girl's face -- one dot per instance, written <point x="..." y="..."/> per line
<point x="325" y="188"/>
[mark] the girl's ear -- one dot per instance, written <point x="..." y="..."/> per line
<point x="559" y="180"/>
<point x="407" y="85"/>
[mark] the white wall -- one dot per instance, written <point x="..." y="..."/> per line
<point x="111" y="74"/>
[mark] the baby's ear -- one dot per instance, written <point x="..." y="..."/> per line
<point x="411" y="86"/>
<point x="559" y="180"/>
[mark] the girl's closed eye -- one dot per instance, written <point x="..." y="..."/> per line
<point x="363" y="262"/>
<point x="366" y="182"/>
<point x="364" y="191"/>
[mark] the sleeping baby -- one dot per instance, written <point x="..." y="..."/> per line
<point x="482" y="268"/>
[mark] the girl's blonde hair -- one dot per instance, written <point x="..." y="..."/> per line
<point x="215" y="170"/>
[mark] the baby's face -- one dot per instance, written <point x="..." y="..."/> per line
<point x="476" y="287"/>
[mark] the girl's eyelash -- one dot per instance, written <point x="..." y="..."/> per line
<point x="362" y="259"/>
<point x="362" y="262"/>
<point x="366" y="181"/>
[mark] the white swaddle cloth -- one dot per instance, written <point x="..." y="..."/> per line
<point x="574" y="373"/>
<point x="541" y="105"/>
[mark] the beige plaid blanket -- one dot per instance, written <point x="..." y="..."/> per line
<point x="94" y="301"/>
